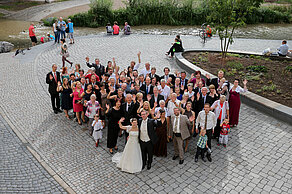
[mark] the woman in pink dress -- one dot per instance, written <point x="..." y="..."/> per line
<point x="195" y="79"/>
<point x="77" y="100"/>
<point x="234" y="101"/>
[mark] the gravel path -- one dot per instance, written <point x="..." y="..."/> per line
<point x="257" y="158"/>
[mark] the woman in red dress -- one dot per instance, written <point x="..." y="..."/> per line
<point x="234" y="101"/>
<point x="77" y="100"/>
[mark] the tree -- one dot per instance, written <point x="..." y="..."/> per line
<point x="227" y="15"/>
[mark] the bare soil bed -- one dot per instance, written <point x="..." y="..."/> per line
<point x="267" y="77"/>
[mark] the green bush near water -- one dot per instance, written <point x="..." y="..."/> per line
<point x="162" y="12"/>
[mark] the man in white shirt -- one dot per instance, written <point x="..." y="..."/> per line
<point x="207" y="120"/>
<point x="164" y="90"/>
<point x="147" y="70"/>
<point x="283" y="49"/>
<point x="147" y="138"/>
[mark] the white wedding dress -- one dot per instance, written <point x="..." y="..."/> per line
<point x="130" y="160"/>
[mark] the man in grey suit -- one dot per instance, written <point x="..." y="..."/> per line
<point x="179" y="130"/>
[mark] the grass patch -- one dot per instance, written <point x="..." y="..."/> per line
<point x="234" y="65"/>
<point x="19" y="5"/>
<point x="269" y="88"/>
<point x="257" y="68"/>
<point x="288" y="68"/>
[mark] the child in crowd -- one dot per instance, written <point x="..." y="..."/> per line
<point x="50" y="37"/>
<point x="97" y="125"/>
<point x="201" y="145"/>
<point x="109" y="29"/>
<point x="225" y="129"/>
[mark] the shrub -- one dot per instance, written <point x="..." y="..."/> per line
<point x="234" y="65"/>
<point x="288" y="68"/>
<point x="257" y="68"/>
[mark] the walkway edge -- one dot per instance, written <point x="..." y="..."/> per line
<point x="51" y="172"/>
<point x="265" y="105"/>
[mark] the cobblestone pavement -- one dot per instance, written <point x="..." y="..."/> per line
<point x="257" y="158"/>
<point x="19" y="170"/>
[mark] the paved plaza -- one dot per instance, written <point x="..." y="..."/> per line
<point x="256" y="159"/>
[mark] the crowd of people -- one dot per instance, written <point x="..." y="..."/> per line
<point x="150" y="110"/>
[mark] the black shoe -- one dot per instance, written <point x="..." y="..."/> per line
<point x="148" y="166"/>
<point x="174" y="157"/>
<point x="181" y="161"/>
<point x="143" y="166"/>
<point x="196" y="159"/>
<point x="209" y="158"/>
<point x="59" y="110"/>
<point x="55" y="111"/>
<point x="204" y="159"/>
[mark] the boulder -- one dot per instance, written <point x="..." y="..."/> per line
<point x="5" y="46"/>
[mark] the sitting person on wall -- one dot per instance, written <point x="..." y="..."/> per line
<point x="209" y="31"/>
<point x="176" y="47"/>
<point x="283" y="49"/>
<point x="127" y="29"/>
<point x="50" y="37"/>
<point x="109" y="29"/>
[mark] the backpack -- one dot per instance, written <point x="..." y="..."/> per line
<point x="128" y="28"/>
<point x="67" y="30"/>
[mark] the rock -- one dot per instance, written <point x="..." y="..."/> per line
<point x="5" y="46"/>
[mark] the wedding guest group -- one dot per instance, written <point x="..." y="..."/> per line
<point x="151" y="111"/>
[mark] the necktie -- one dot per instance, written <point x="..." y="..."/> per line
<point x="128" y="105"/>
<point x="204" y="99"/>
<point x="146" y="90"/>
<point x="55" y="76"/>
<point x="175" y="124"/>
<point x="183" y="82"/>
<point x="206" y="121"/>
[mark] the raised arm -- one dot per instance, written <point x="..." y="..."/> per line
<point x="120" y="124"/>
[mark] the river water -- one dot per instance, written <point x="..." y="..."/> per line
<point x="16" y="32"/>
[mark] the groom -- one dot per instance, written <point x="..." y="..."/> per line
<point x="147" y="138"/>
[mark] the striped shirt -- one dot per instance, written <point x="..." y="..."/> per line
<point x="202" y="141"/>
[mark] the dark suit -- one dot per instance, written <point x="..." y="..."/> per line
<point x="185" y="83"/>
<point x="150" y="90"/>
<point x="198" y="105"/>
<point x="156" y="76"/>
<point x="152" y="100"/>
<point x="214" y="81"/>
<point x="128" y="115"/>
<point x="53" y="89"/>
<point x="99" y="69"/>
<point x="197" y="89"/>
<point x="169" y="75"/>
<point x="147" y="147"/>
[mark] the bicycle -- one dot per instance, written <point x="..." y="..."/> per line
<point x="203" y="33"/>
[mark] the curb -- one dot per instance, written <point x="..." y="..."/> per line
<point x="265" y="105"/>
<point x="51" y="172"/>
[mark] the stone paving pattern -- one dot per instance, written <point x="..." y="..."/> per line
<point x="20" y="171"/>
<point x="257" y="158"/>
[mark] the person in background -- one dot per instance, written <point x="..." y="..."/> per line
<point x="65" y="53"/>
<point x="283" y="49"/>
<point x="42" y="39"/>
<point x="31" y="32"/>
<point x="116" y="29"/>
<point x="71" y="31"/>
<point x="62" y="25"/>
<point x="56" y="30"/>
<point x="225" y="129"/>
<point x="176" y="47"/>
<point x="109" y="29"/>
<point x="209" y="31"/>
<point x="127" y="29"/>
<point x="50" y="37"/>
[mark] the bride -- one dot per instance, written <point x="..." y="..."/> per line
<point x="130" y="160"/>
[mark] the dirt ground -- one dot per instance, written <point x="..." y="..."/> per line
<point x="267" y="77"/>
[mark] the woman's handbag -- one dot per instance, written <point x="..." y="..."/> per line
<point x="66" y="54"/>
